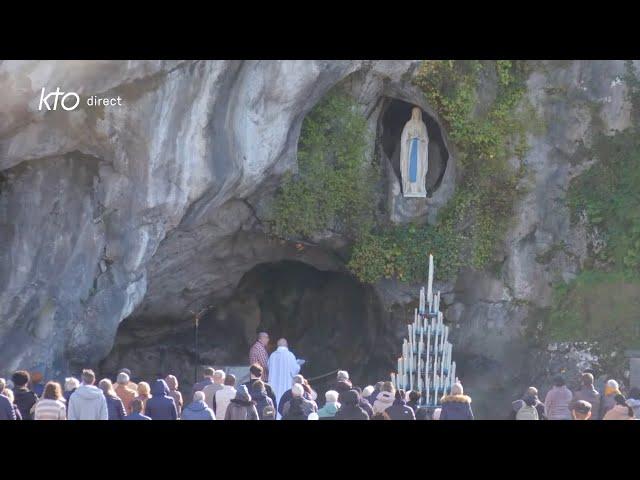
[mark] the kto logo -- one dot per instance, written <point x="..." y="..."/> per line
<point x="69" y="101"/>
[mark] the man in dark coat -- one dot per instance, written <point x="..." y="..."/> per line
<point x="349" y="409"/>
<point x="256" y="372"/>
<point x="24" y="398"/>
<point x="286" y="396"/>
<point x="589" y="394"/>
<point x="161" y="405"/>
<point x="399" y="410"/>
<point x="518" y="404"/>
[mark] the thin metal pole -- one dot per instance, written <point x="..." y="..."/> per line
<point x="195" y="378"/>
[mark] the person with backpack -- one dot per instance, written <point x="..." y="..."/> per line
<point x="241" y="407"/>
<point x="264" y="403"/>
<point x="198" y="409"/>
<point x="298" y="408"/>
<point x="528" y="411"/>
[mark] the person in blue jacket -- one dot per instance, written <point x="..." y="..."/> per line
<point x="161" y="405"/>
<point x="115" y="407"/>
<point x="6" y="406"/>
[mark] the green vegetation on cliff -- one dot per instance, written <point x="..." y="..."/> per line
<point x="602" y="303"/>
<point x="485" y="133"/>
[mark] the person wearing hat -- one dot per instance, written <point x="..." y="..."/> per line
<point x="557" y="401"/>
<point x="581" y="410"/>
<point x="241" y="407"/>
<point x="456" y="405"/>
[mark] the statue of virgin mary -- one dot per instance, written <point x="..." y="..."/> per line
<point x="414" y="159"/>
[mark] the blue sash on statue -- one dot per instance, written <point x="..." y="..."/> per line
<point x="413" y="160"/>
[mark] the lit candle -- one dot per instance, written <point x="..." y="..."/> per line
<point x="422" y="301"/>
<point x="453" y="373"/>
<point x="393" y="379"/>
<point x="400" y="366"/>
<point x="426" y="387"/>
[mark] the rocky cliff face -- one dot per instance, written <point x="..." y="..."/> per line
<point x="156" y="207"/>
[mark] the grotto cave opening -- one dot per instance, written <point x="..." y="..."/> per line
<point x="329" y="318"/>
<point x="396" y="114"/>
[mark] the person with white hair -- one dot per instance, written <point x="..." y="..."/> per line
<point x="611" y="389"/>
<point x="282" y="367"/>
<point x="210" y="390"/>
<point x="124" y="391"/>
<point x="6" y="407"/>
<point x="288" y="395"/>
<point x="198" y="409"/>
<point x="456" y="405"/>
<point x="298" y="408"/>
<point x="331" y="405"/>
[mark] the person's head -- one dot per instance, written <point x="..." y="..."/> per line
<point x="230" y="380"/>
<point x="258" y="386"/>
<point x="331" y="396"/>
<point x="296" y="390"/>
<point x="219" y="376"/>
<point x="613" y="385"/>
<point x="533" y="391"/>
<point x="144" y="389"/>
<point x="297" y="379"/>
<point x="378" y="386"/>
<point x="436" y="413"/>
<point x="587" y="379"/>
<point x="242" y="393"/>
<point x="20" y="378"/>
<point x="107" y="387"/>
<point x="342" y="376"/>
<point x="122" y="378"/>
<point x="88" y="377"/>
<point x="52" y="391"/>
<point x="137" y="405"/>
<point x="530" y="400"/>
<point x="388" y="387"/>
<point x="368" y="390"/>
<point x="36" y="377"/>
<point x="3" y="384"/>
<point x="400" y="395"/>
<point x="349" y="398"/>
<point x="172" y="382"/>
<point x="256" y="371"/>
<point x="414" y="396"/>
<point x="581" y="410"/>
<point x="456" y="389"/>
<point x="263" y="338"/>
<point x="283" y="342"/>
<point x="70" y="384"/>
<point x="558" y="381"/>
<point x="208" y="372"/>
<point x="416" y="113"/>
<point x="198" y="396"/>
<point x="634" y="393"/>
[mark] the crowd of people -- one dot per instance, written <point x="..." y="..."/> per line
<point x="277" y="390"/>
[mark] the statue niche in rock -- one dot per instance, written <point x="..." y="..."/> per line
<point x="414" y="156"/>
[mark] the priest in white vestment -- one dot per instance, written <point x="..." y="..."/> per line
<point x="282" y="367"/>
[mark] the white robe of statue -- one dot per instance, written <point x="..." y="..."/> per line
<point x="414" y="159"/>
<point x="283" y="366"/>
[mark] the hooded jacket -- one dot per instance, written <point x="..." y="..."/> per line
<point x="400" y="411"/>
<point x="349" y="409"/>
<point x="456" y="407"/>
<point x="88" y="403"/>
<point x="262" y="400"/>
<point x="241" y="407"/>
<point x="197" y="411"/>
<point x="383" y="401"/>
<point x="161" y="405"/>
<point x="267" y="388"/>
<point x="25" y="399"/>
